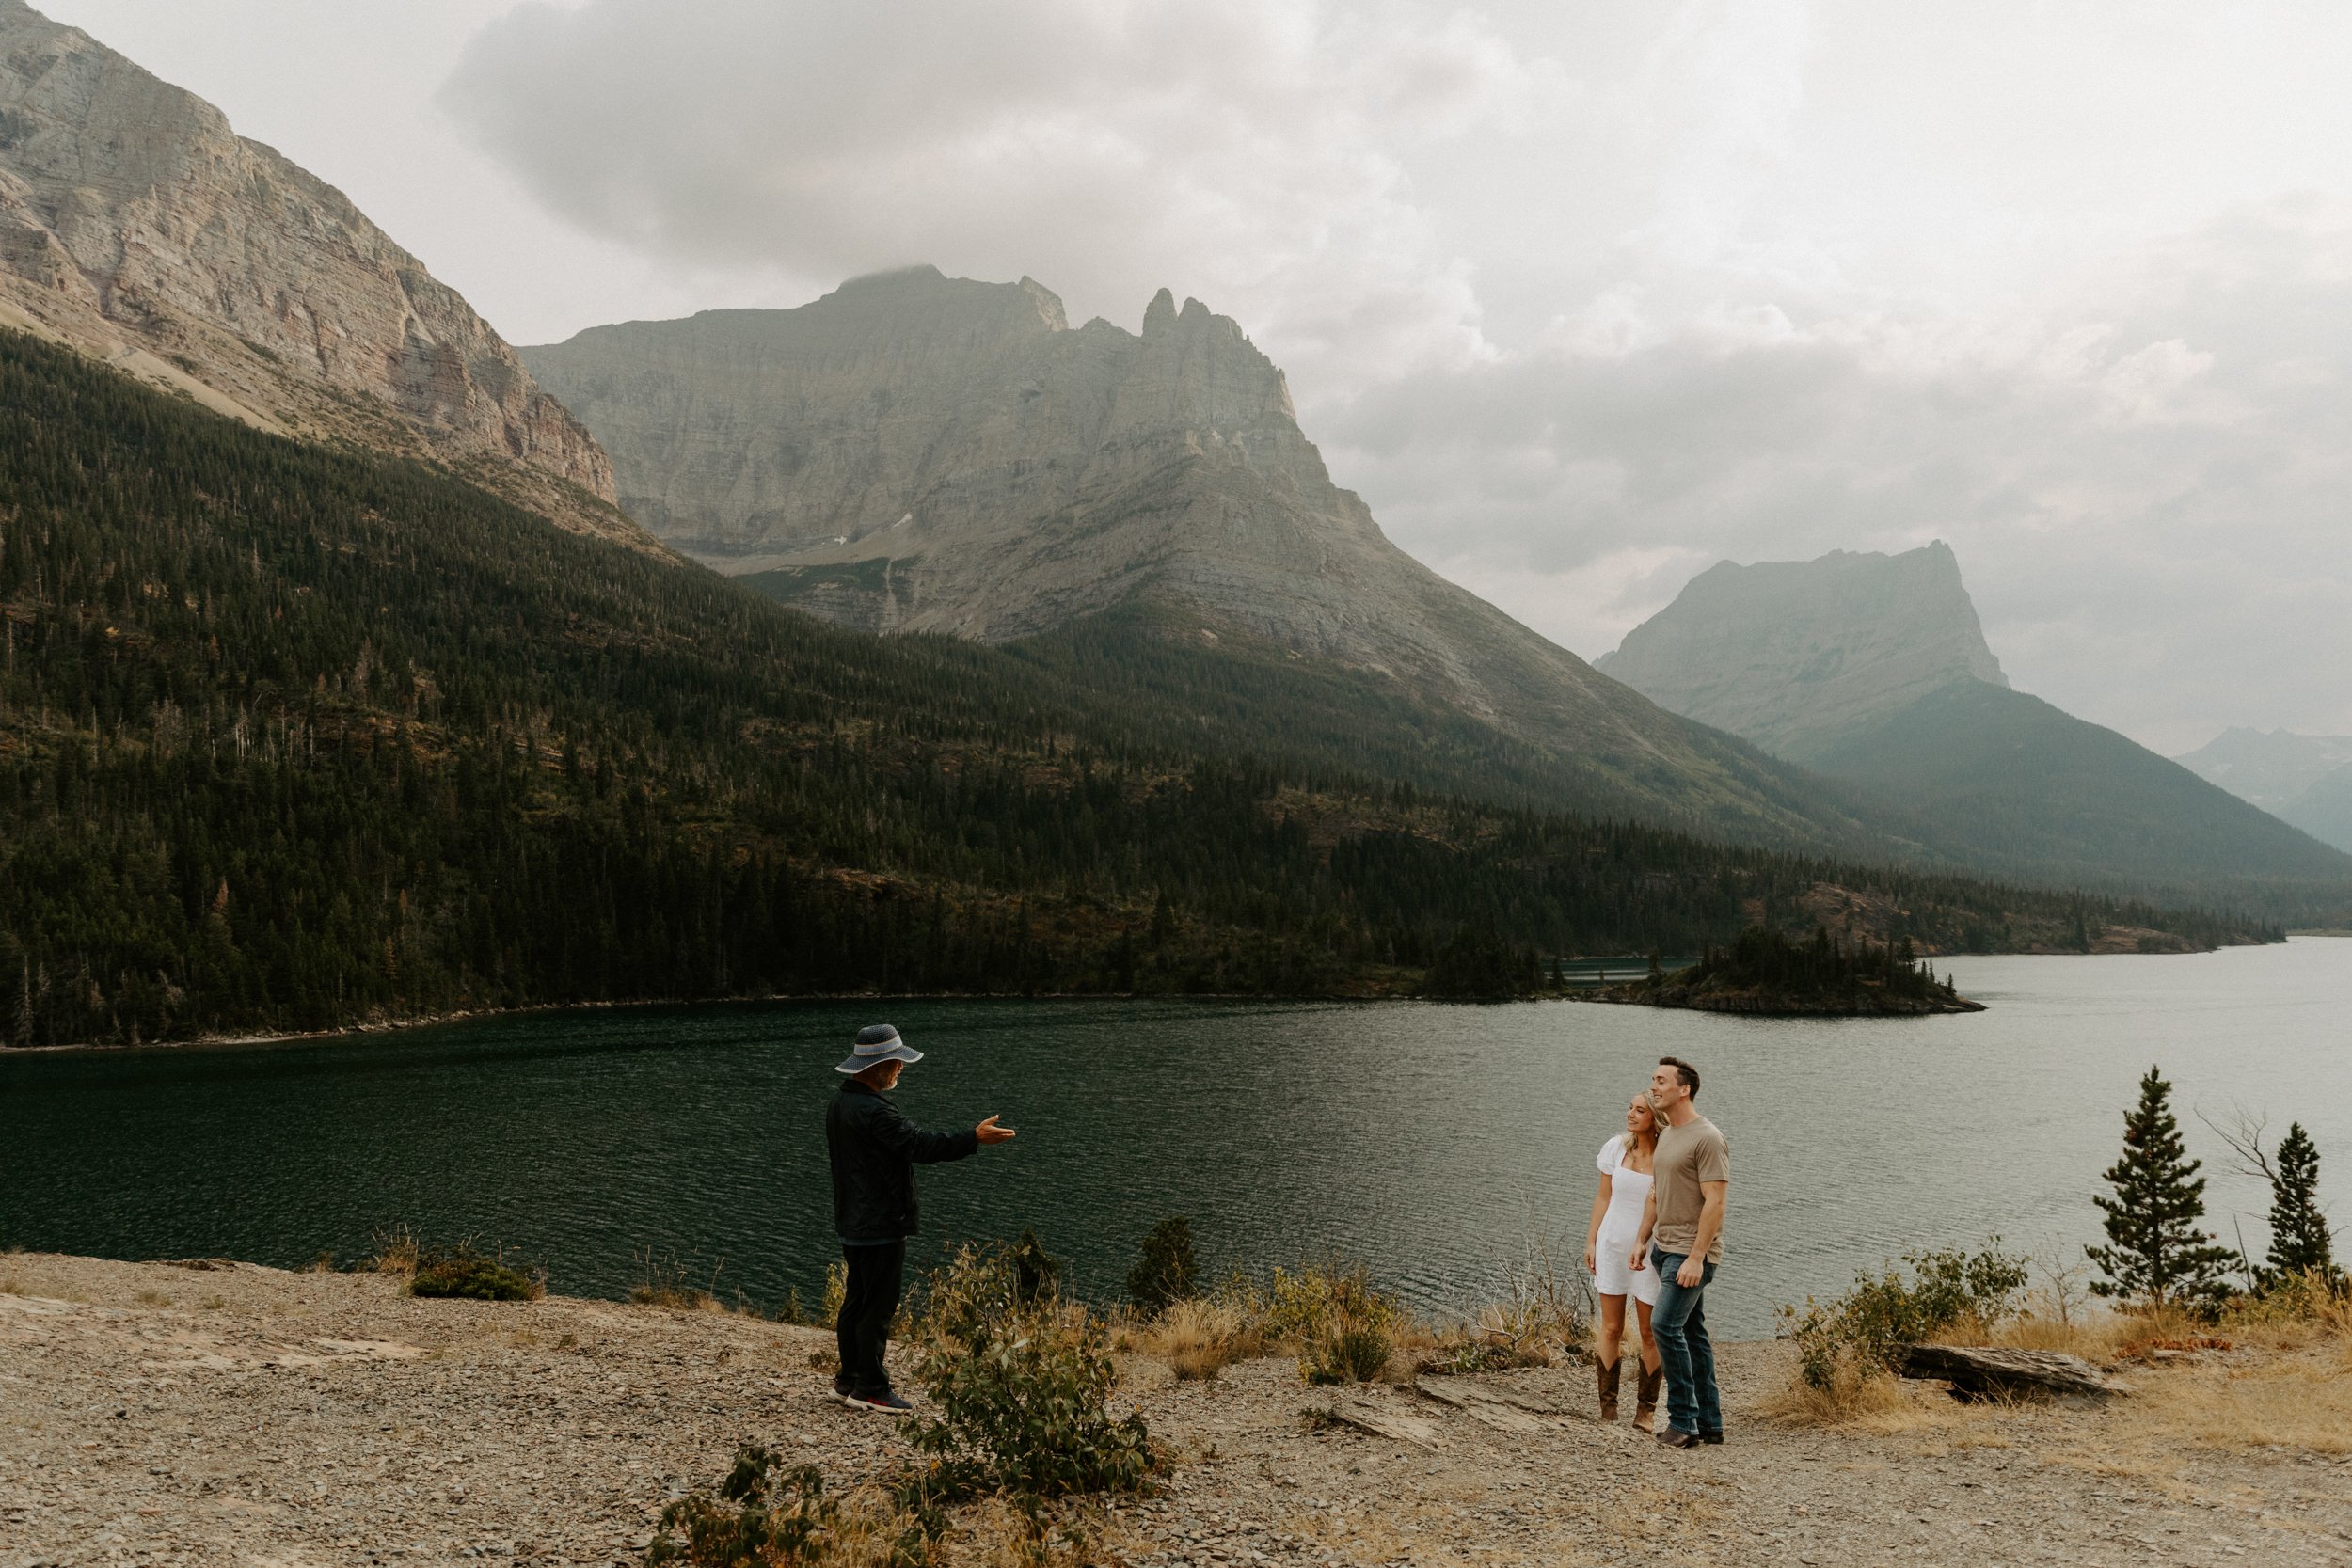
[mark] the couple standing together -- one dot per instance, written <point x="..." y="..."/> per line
<point x="1657" y="1234"/>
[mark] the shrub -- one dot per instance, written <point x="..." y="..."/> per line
<point x="1022" y="1383"/>
<point x="768" y="1516"/>
<point x="1340" y="1323"/>
<point x="462" y="1271"/>
<point x="2310" y="1297"/>
<point x="1858" y="1336"/>
<point x="1544" y="1313"/>
<point x="1168" y="1271"/>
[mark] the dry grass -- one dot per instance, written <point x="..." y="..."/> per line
<point x="153" y="1298"/>
<point x="1198" y="1337"/>
<point x="1855" y="1395"/>
<point x="2292" y="1399"/>
<point x="395" y="1253"/>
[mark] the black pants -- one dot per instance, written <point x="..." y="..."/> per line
<point x="867" y="1306"/>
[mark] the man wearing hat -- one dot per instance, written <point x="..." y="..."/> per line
<point x="875" y="1150"/>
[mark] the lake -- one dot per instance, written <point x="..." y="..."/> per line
<point x="1430" y="1140"/>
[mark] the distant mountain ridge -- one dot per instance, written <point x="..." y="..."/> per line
<point x="916" y="453"/>
<point x="1794" y="654"/>
<point x="138" y="229"/>
<point x="1873" y="671"/>
<point x="2302" y="778"/>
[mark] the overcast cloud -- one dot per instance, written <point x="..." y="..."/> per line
<point x="1582" y="296"/>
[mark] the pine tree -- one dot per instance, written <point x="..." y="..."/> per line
<point x="2299" y="1242"/>
<point x="2160" y="1255"/>
<point x="1167" y="1270"/>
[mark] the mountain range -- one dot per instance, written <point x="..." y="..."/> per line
<point x="1874" y="670"/>
<point x="2302" y="778"/>
<point x="916" y="453"/>
<point x="337" y="681"/>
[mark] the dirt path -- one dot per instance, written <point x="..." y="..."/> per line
<point x="234" y="1415"/>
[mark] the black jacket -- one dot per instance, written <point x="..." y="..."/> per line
<point x="875" y="1150"/>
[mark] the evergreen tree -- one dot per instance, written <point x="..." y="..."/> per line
<point x="2299" y="1242"/>
<point x="2160" y="1255"/>
<point x="1167" y="1270"/>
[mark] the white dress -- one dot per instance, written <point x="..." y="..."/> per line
<point x="1628" y="1194"/>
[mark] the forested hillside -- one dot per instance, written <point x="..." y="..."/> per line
<point x="293" y="739"/>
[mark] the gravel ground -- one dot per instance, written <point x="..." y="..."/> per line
<point x="235" y="1415"/>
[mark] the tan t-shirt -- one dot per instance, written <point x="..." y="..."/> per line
<point x="1687" y="1155"/>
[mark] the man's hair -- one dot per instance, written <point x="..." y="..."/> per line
<point x="1684" y="1071"/>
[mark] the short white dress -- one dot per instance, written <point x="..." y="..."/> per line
<point x="1613" y="1274"/>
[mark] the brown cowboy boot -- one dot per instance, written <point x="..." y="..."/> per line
<point x="1646" y="1396"/>
<point x="1608" y="1378"/>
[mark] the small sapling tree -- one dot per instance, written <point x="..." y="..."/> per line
<point x="2158" y="1253"/>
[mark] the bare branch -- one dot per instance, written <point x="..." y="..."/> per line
<point x="2244" y="1136"/>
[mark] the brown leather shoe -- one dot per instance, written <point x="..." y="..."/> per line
<point x="1651" y="1381"/>
<point x="1608" y="1377"/>
<point x="1675" y="1437"/>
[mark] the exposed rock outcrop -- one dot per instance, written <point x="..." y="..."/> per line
<point x="1792" y="653"/>
<point x="916" y="453"/>
<point x="138" y="227"/>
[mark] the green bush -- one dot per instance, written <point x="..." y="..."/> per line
<point x="1865" y="1330"/>
<point x="462" y="1271"/>
<point x="1168" y="1271"/>
<point x="1343" y="1326"/>
<point x="769" y="1516"/>
<point x="1022" y="1383"/>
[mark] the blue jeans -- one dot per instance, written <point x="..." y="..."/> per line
<point x="1680" y="1323"/>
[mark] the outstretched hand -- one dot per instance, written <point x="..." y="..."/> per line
<point x="988" y="1132"/>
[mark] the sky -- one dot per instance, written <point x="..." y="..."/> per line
<point x="1582" y="297"/>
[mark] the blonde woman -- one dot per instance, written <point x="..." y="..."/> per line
<point x="1624" y="1187"/>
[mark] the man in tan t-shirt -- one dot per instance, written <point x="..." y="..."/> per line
<point x="1682" y="1237"/>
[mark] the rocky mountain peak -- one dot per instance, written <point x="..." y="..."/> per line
<point x="1791" y="653"/>
<point x="138" y="227"/>
<point x="890" y="413"/>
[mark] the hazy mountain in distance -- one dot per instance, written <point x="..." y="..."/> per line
<point x="137" y="227"/>
<point x="916" y="453"/>
<point x="1795" y="654"/>
<point x="2302" y="778"/>
<point x="1872" y="668"/>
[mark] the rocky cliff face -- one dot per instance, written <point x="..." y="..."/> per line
<point x="1794" y="654"/>
<point x="920" y="452"/>
<point x="137" y="227"/>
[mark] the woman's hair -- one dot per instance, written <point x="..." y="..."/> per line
<point x="1648" y="1136"/>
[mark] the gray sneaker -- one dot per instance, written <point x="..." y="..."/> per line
<point x="889" y="1404"/>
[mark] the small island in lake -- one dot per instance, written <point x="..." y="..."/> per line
<point x="1765" y="972"/>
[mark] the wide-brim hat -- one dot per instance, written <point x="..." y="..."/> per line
<point x="878" y="1044"/>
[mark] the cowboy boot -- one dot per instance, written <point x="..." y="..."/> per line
<point x="1651" y="1380"/>
<point x="1608" y="1378"/>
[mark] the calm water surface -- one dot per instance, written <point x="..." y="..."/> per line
<point x="1428" y="1139"/>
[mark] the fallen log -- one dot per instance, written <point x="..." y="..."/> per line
<point x="1983" y="1371"/>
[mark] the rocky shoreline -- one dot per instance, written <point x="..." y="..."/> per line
<point x="212" y="1413"/>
